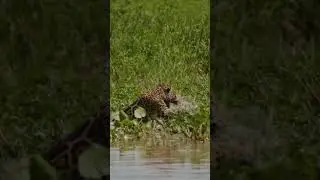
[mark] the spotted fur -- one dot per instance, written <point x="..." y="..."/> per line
<point x="155" y="102"/>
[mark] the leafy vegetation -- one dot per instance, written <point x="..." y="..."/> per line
<point x="142" y="126"/>
<point x="52" y="59"/>
<point x="93" y="164"/>
<point x="40" y="169"/>
<point x="51" y="72"/>
<point x="266" y="55"/>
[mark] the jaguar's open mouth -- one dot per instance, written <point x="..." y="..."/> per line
<point x="175" y="102"/>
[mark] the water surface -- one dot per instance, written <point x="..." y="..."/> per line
<point x="160" y="159"/>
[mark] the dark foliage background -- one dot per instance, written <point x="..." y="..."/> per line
<point x="266" y="56"/>
<point x="51" y="70"/>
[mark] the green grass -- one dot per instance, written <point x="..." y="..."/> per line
<point x="160" y="41"/>
<point x="52" y="58"/>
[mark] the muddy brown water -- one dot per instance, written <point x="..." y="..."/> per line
<point x="160" y="159"/>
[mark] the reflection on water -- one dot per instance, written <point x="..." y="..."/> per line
<point x="165" y="159"/>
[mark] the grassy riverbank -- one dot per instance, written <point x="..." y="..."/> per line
<point x="161" y="41"/>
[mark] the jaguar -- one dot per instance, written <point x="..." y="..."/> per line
<point x="155" y="101"/>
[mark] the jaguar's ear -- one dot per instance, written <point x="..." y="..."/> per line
<point x="167" y="90"/>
